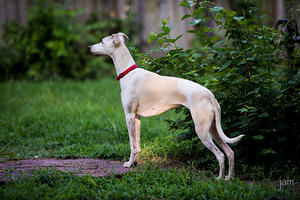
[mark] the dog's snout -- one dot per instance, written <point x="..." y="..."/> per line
<point x="89" y="47"/>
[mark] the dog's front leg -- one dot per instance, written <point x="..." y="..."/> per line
<point x="130" y="120"/>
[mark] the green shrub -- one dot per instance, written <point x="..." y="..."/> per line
<point x="54" y="44"/>
<point x="248" y="75"/>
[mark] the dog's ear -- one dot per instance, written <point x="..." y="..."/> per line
<point x="119" y="37"/>
<point x="125" y="37"/>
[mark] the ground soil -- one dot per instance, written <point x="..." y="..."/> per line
<point x="80" y="166"/>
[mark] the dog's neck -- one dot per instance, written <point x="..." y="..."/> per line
<point x="122" y="59"/>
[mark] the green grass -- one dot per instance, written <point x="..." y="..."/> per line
<point x="148" y="183"/>
<point x="85" y="119"/>
<point x="68" y="119"/>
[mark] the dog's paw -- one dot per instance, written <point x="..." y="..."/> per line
<point x="127" y="164"/>
<point x="227" y="178"/>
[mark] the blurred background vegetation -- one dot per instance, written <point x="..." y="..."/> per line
<point x="43" y="39"/>
<point x="228" y="46"/>
<point x="53" y="43"/>
<point x="256" y="84"/>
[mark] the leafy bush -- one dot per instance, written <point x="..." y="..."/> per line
<point x="248" y="75"/>
<point x="55" y="45"/>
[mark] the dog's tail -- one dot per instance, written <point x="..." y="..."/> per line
<point x="222" y="135"/>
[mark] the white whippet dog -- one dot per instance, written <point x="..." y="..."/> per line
<point x="145" y="94"/>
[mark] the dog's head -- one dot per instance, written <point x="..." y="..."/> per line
<point x="108" y="44"/>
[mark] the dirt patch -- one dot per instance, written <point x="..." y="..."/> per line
<point x="80" y="166"/>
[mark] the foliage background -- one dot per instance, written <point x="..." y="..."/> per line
<point x="54" y="44"/>
<point x="248" y="74"/>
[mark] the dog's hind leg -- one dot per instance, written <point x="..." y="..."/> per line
<point x="228" y="151"/>
<point x="203" y="117"/>
<point x="138" y="135"/>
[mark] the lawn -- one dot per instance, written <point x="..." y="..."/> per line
<point x="67" y="119"/>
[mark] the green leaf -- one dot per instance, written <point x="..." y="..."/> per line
<point x="166" y="29"/>
<point x="218" y="43"/>
<point x="186" y="16"/>
<point x="191" y="3"/>
<point x="263" y="115"/>
<point x="178" y="37"/>
<point x="262" y="16"/>
<point x="195" y="22"/>
<point x="243" y="110"/>
<point x="227" y="64"/>
<point x="230" y="13"/>
<point x="12" y="155"/>
<point x="151" y="37"/>
<point x="152" y="34"/>
<point x="232" y="52"/>
<point x="197" y="55"/>
<point x="155" y="48"/>
<point x="197" y="11"/>
<point x="216" y="9"/>
<point x="164" y="21"/>
<point x="183" y="3"/>
<point x="160" y="42"/>
<point x="161" y="35"/>
<point x="250" y="108"/>
<point x="258" y="137"/>
<point x="171" y="40"/>
<point x="192" y="31"/>
<point x="238" y="18"/>
<point x="267" y="151"/>
<point x="183" y="55"/>
<point x="191" y="72"/>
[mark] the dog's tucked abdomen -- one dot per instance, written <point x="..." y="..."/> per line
<point x="159" y="94"/>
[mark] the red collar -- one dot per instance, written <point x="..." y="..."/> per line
<point x="126" y="71"/>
